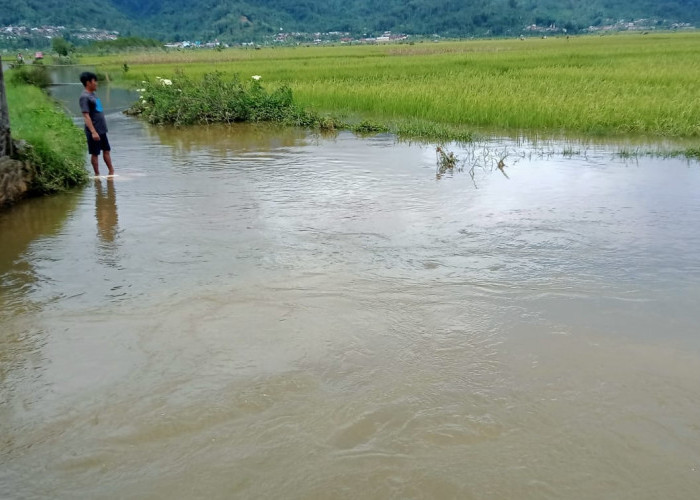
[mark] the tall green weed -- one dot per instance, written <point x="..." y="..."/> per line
<point x="215" y="99"/>
<point x="31" y="74"/>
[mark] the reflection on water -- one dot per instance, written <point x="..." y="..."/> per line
<point x="265" y="314"/>
<point x="107" y="217"/>
<point x="21" y="225"/>
<point x="106" y="210"/>
<point x="223" y="140"/>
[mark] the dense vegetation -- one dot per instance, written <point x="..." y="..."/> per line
<point x="219" y="98"/>
<point x="215" y="99"/>
<point x="617" y="85"/>
<point x="244" y="20"/>
<point x="34" y="74"/>
<point x="57" y="145"/>
<point x="123" y="44"/>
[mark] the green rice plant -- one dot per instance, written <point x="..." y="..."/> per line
<point x="330" y="123"/>
<point x="57" y="146"/>
<point x="614" y="85"/>
<point x="570" y="152"/>
<point x="692" y="153"/>
<point x="368" y="127"/>
<point x="431" y="131"/>
<point x="446" y="161"/>
<point x="629" y="153"/>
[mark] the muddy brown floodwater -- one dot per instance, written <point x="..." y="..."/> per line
<point x="247" y="312"/>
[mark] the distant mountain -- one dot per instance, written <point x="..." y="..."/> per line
<point x="243" y="20"/>
<point x="70" y="13"/>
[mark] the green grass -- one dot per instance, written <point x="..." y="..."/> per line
<point x="57" y="145"/>
<point x="31" y="74"/>
<point x="613" y="85"/>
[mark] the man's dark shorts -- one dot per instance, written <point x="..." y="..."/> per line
<point x="94" y="147"/>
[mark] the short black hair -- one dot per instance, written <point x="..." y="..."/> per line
<point x="87" y="76"/>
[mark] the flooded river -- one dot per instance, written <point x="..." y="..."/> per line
<point x="247" y="312"/>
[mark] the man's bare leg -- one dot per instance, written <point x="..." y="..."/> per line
<point x="95" y="167"/>
<point x="108" y="160"/>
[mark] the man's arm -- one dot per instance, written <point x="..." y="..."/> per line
<point x="90" y="126"/>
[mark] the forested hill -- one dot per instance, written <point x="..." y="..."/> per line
<point x="239" y="20"/>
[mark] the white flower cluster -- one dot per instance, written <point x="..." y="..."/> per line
<point x="164" y="81"/>
<point x="256" y="77"/>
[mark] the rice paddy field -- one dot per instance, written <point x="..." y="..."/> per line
<point x="614" y="85"/>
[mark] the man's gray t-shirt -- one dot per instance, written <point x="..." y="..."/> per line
<point x="90" y="103"/>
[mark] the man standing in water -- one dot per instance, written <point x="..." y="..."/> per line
<point x="95" y="123"/>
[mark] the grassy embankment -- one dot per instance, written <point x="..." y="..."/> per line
<point x="596" y="86"/>
<point x="57" y="145"/>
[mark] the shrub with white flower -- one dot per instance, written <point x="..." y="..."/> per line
<point x="183" y="101"/>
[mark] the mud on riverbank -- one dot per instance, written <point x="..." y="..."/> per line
<point x="17" y="175"/>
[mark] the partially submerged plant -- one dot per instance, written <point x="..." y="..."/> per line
<point x="446" y="161"/>
<point x="501" y="165"/>
<point x="368" y="127"/>
<point x="481" y="157"/>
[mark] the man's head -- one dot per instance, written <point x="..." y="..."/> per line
<point x="89" y="80"/>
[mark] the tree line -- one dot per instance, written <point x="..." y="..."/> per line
<point x="246" y="20"/>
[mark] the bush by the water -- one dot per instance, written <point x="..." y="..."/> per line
<point x="34" y="74"/>
<point x="57" y="146"/>
<point x="215" y="99"/>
